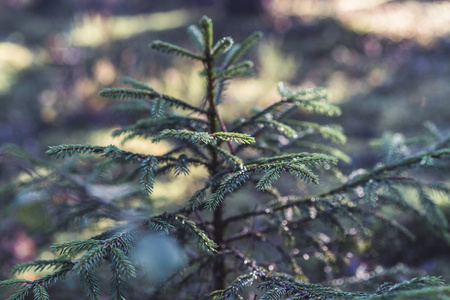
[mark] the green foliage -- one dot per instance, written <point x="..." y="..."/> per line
<point x="412" y="284"/>
<point x="196" y="36"/>
<point x="232" y="291"/>
<point x="40" y="265"/>
<point x="196" y="200"/>
<point x="232" y="160"/>
<point x="203" y="137"/>
<point x="234" y="136"/>
<point x="240" y="49"/>
<point x="90" y="285"/>
<point x="72" y="248"/>
<point x="334" y="133"/>
<point x="151" y="126"/>
<point x="238" y="69"/>
<point x="206" y="27"/>
<point x="148" y="169"/>
<point x="204" y="242"/>
<point x="129" y="94"/>
<point x="157" y="225"/>
<point x="40" y="293"/>
<point x="136" y="83"/>
<point x="191" y="136"/>
<point x="171" y="48"/>
<point x="121" y="263"/>
<point x="222" y="46"/>
<point x="10" y="283"/>
<point x="118" y="287"/>
<point x="226" y="187"/>
<point x="70" y="150"/>
<point x="158" y="108"/>
<point x="269" y="222"/>
<point x="20" y="295"/>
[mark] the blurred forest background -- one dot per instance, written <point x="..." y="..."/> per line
<point x="386" y="63"/>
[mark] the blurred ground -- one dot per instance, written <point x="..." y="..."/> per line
<point x="385" y="62"/>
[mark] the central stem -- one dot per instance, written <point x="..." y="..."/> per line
<point x="214" y="118"/>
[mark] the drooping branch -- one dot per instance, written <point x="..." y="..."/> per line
<point x="376" y="172"/>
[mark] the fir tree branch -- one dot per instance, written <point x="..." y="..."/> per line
<point x="234" y="136"/>
<point x="40" y="293"/>
<point x="260" y="114"/>
<point x="13" y="283"/>
<point x="40" y="265"/>
<point x="114" y="151"/>
<point x="235" y="161"/>
<point x="239" y="50"/>
<point x="222" y="46"/>
<point x="205" y="243"/>
<point x="90" y="285"/>
<point x="379" y="170"/>
<point x="328" y="132"/>
<point x="158" y="108"/>
<point x="204" y="137"/>
<point x="148" y="168"/>
<point x="197" y="199"/>
<point x="308" y="158"/>
<point x="121" y="263"/>
<point x="70" y="150"/>
<point x="281" y="127"/>
<point x="118" y="287"/>
<point x="206" y="27"/>
<point x="136" y="83"/>
<point x="438" y="293"/>
<point x="171" y="48"/>
<point x="240" y="69"/>
<point x="321" y="147"/>
<point x="232" y="291"/>
<point x="228" y="186"/>
<point x="191" y="136"/>
<point x="20" y="295"/>
<point x="74" y="247"/>
<point x="151" y="126"/>
<point x="125" y="94"/>
<point x="196" y="37"/>
<point x="306" y="99"/>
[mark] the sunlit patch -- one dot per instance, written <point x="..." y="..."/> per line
<point x="24" y="247"/>
<point x="360" y="191"/>
<point x="13" y="59"/>
<point x="361" y="272"/>
<point x="422" y="22"/>
<point x="312" y="9"/>
<point x="95" y="30"/>
<point x="104" y="71"/>
<point x="173" y="191"/>
<point x="324" y="238"/>
<point x="104" y="138"/>
<point x="109" y="192"/>
<point x="273" y="66"/>
<point x="47" y="99"/>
